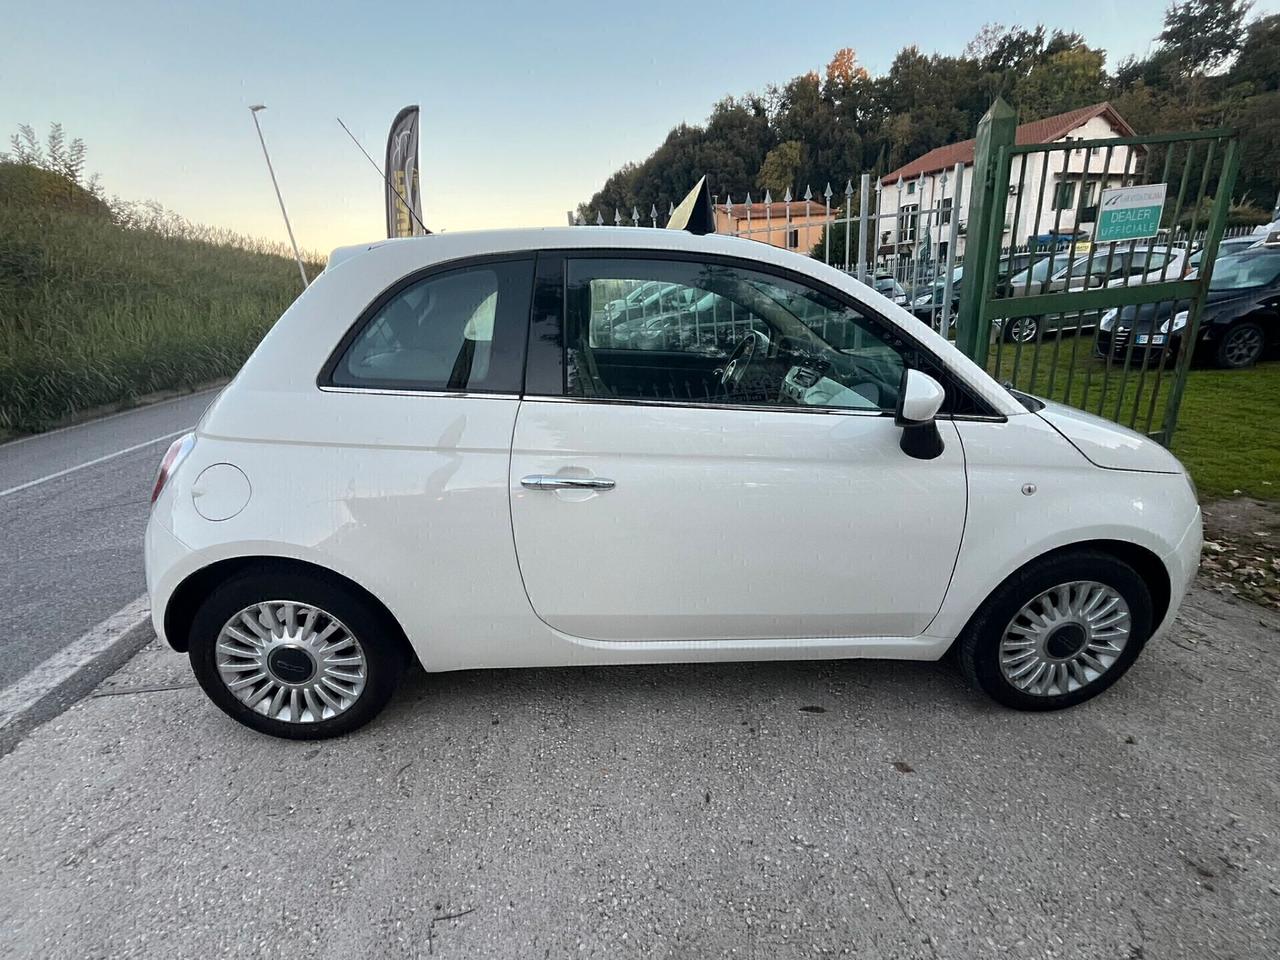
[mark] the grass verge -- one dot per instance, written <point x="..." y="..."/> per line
<point x="92" y="313"/>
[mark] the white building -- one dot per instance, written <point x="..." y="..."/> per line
<point x="1049" y="202"/>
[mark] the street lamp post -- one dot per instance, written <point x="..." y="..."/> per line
<point x="284" y="213"/>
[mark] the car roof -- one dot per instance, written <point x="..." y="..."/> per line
<point x="440" y="247"/>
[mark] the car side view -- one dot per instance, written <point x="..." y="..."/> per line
<point x="449" y="449"/>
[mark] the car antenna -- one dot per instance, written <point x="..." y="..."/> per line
<point x="413" y="213"/>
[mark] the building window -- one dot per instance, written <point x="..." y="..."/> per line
<point x="908" y="215"/>
<point x="944" y="216"/>
<point x="793" y="239"/>
<point x="911" y="186"/>
<point x="1090" y="192"/>
<point x="1064" y="197"/>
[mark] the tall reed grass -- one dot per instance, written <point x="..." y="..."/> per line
<point x="99" y="310"/>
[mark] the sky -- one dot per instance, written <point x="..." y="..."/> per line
<point x="526" y="107"/>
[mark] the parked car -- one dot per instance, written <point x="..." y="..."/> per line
<point x="430" y="457"/>
<point x="1108" y="265"/>
<point x="1239" y="322"/>
<point x="1226" y="247"/>
<point x="926" y="305"/>
<point x="889" y="286"/>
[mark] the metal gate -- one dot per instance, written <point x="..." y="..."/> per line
<point x="1105" y="325"/>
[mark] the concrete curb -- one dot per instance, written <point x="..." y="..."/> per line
<point x="73" y="672"/>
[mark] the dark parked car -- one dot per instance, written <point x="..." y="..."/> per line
<point x="1239" y="322"/>
<point x="926" y="304"/>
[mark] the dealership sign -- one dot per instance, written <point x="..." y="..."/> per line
<point x="1129" y="213"/>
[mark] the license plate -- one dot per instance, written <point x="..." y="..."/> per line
<point x="1142" y="339"/>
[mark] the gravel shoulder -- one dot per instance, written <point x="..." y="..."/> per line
<point x="755" y="810"/>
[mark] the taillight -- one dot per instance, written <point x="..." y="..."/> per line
<point x="176" y="453"/>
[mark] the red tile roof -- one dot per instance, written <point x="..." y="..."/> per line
<point x="1037" y="131"/>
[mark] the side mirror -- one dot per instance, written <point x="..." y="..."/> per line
<point x="920" y="398"/>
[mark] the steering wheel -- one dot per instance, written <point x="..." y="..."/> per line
<point x="736" y="369"/>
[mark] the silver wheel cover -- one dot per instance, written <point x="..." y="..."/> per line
<point x="1065" y="638"/>
<point x="291" y="661"/>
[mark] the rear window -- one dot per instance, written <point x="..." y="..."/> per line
<point x="461" y="330"/>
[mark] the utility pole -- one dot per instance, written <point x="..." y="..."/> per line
<point x="284" y="213"/>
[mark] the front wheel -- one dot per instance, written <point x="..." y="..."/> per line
<point x="1022" y="329"/>
<point x="294" y="656"/>
<point x="1059" y="632"/>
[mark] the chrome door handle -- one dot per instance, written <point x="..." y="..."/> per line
<point x="545" y="481"/>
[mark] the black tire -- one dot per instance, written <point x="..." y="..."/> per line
<point x="1241" y="346"/>
<point x="380" y="640"/>
<point x="1028" y="327"/>
<point x="979" y="645"/>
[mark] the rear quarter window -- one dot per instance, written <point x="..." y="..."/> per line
<point x="462" y="329"/>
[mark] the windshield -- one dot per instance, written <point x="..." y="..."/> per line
<point x="1239" y="272"/>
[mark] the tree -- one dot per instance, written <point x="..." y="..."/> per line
<point x="1204" y="34"/>
<point x="1259" y="61"/>
<point x="1067" y="80"/>
<point x="844" y="69"/>
<point x="781" y="164"/>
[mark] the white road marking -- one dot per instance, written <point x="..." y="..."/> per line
<point x="60" y="667"/>
<point x="93" y="463"/>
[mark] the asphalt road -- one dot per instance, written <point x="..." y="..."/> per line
<point x="72" y="511"/>
<point x="783" y="810"/>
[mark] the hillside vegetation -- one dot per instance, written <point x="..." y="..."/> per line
<point x="94" y="311"/>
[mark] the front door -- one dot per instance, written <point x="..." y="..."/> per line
<point x="730" y="468"/>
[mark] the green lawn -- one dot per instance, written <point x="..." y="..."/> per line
<point x="1226" y="432"/>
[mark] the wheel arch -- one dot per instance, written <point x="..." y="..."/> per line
<point x="1144" y="562"/>
<point x="180" y="611"/>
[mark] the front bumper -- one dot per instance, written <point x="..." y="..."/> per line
<point x="1139" y="346"/>
<point x="1182" y="562"/>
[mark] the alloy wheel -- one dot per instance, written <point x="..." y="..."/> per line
<point x="1024" y="329"/>
<point x="291" y="661"/>
<point x="1065" y="638"/>
<point x="1243" y="346"/>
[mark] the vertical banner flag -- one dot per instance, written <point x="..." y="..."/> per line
<point x="402" y="176"/>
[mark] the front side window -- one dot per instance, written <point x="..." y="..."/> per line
<point x="727" y="335"/>
<point x="459" y="330"/>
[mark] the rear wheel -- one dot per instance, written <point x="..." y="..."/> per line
<point x="1242" y="346"/>
<point x="1058" y="632"/>
<point x="294" y="656"/>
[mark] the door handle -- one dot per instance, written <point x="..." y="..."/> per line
<point x="544" y="481"/>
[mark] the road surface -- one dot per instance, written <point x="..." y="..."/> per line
<point x="774" y="810"/>
<point x="73" y="505"/>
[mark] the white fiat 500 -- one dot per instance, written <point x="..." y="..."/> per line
<point x="599" y="446"/>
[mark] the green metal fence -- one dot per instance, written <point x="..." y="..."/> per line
<point x="1103" y="325"/>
